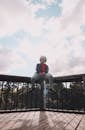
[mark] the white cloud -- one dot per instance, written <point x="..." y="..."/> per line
<point x="73" y="12"/>
<point x="68" y="6"/>
<point x="9" y="60"/>
<point x="19" y="15"/>
<point x="64" y="56"/>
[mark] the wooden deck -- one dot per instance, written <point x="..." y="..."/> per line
<point x="42" y="121"/>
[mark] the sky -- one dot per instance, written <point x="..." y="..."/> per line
<point x="32" y="28"/>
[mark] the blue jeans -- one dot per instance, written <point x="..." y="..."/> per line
<point x="46" y="76"/>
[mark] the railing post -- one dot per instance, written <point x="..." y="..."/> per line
<point x="42" y="96"/>
<point x="84" y="88"/>
<point x="83" y="82"/>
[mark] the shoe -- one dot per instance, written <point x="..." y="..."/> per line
<point x="50" y="87"/>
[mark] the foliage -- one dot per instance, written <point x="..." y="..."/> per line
<point x="22" y="96"/>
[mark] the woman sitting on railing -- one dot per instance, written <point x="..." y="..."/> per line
<point x="42" y="72"/>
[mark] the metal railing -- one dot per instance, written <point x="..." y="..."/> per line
<point x="67" y="94"/>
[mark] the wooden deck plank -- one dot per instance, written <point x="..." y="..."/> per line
<point x="82" y="124"/>
<point x="52" y="120"/>
<point x="35" y="121"/>
<point x="42" y="121"/>
<point x="23" y="123"/>
<point x="60" y="120"/>
<point x="4" y="121"/>
<point x="7" y="121"/>
<point x="73" y="124"/>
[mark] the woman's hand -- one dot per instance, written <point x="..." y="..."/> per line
<point x="43" y="73"/>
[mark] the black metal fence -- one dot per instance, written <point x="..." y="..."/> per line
<point x="17" y="94"/>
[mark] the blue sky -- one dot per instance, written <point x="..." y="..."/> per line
<point x="51" y="11"/>
<point x="54" y="28"/>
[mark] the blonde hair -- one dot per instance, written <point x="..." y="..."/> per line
<point x="44" y="58"/>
